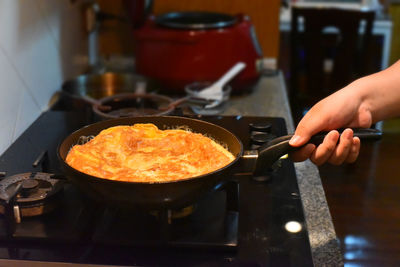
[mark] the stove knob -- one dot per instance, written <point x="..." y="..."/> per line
<point x="261" y="138"/>
<point x="261" y="127"/>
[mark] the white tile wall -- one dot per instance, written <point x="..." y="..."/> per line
<point x="42" y="44"/>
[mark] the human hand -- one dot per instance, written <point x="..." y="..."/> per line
<point x="342" y="109"/>
<point x="336" y="149"/>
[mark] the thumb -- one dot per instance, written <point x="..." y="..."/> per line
<point x="305" y="129"/>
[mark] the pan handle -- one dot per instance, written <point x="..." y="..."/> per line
<point x="270" y="152"/>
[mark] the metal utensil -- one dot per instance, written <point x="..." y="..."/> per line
<point x="215" y="91"/>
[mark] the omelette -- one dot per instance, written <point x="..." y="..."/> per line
<point x="144" y="153"/>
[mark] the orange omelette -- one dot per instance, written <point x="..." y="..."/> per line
<point x="144" y="153"/>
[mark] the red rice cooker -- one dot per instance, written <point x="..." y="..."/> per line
<point x="180" y="48"/>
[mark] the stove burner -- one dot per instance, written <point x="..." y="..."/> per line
<point x="175" y="214"/>
<point x="182" y="213"/>
<point x="133" y="104"/>
<point x="261" y="127"/>
<point x="29" y="187"/>
<point x="33" y="193"/>
<point x="210" y="222"/>
<point x="261" y="138"/>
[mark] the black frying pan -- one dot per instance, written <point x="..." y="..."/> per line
<point x="180" y="193"/>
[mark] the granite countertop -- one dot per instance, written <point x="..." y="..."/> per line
<point x="269" y="98"/>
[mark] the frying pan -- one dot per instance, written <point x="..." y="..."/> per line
<point x="175" y="194"/>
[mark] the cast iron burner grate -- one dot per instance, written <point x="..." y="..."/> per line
<point x="27" y="195"/>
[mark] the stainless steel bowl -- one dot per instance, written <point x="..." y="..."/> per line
<point x="75" y="92"/>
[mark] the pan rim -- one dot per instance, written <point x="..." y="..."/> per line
<point x="95" y="178"/>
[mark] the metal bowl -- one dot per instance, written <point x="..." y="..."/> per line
<point x="98" y="86"/>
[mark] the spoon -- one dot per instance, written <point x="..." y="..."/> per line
<point x="214" y="91"/>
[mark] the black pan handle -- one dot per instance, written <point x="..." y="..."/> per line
<point x="270" y="152"/>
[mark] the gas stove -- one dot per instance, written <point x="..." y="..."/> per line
<point x="242" y="222"/>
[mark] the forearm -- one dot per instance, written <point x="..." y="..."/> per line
<point x="380" y="93"/>
<point x="363" y="102"/>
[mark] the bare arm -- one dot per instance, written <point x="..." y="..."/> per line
<point x="361" y="103"/>
<point x="381" y="95"/>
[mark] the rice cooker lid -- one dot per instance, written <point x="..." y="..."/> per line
<point x="195" y="20"/>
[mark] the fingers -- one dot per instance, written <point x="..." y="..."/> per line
<point x="335" y="149"/>
<point x="340" y="154"/>
<point x="325" y="150"/>
<point x="354" y="151"/>
<point x="303" y="133"/>
<point x="306" y="128"/>
<point x="337" y="153"/>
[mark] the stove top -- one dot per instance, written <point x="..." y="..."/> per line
<point x="242" y="222"/>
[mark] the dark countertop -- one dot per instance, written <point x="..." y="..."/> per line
<point x="364" y="201"/>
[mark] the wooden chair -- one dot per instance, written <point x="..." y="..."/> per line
<point x="330" y="52"/>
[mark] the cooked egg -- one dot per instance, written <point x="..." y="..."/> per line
<point x="144" y="153"/>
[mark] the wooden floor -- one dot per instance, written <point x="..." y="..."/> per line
<point x="364" y="200"/>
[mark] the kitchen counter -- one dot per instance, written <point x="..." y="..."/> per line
<point x="269" y="98"/>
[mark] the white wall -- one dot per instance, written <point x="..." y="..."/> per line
<point x="42" y="44"/>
